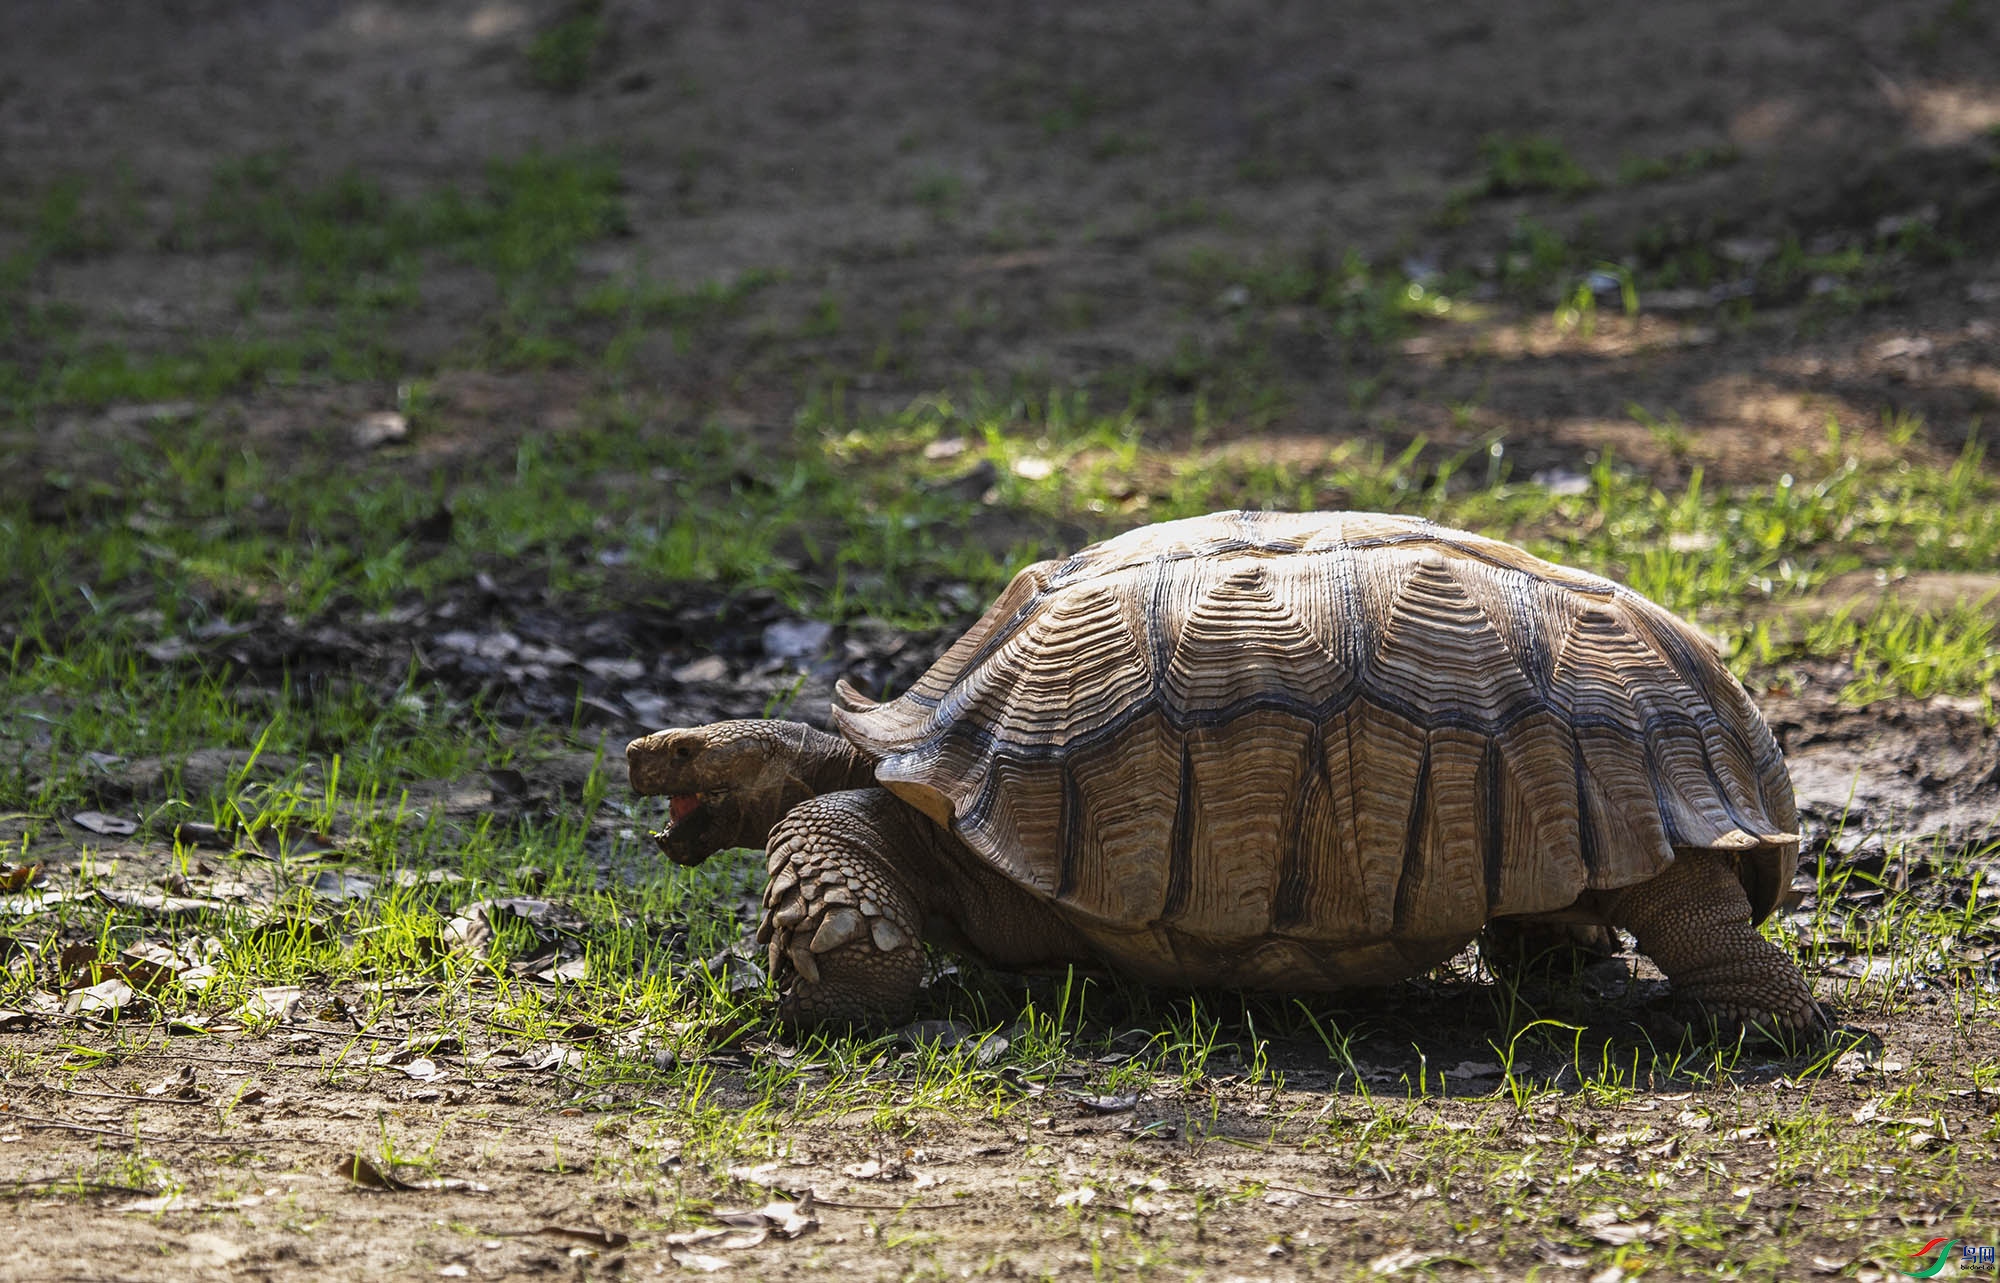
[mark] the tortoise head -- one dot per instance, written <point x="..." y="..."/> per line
<point x="727" y="783"/>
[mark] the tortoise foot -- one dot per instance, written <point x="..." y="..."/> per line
<point x="1694" y="921"/>
<point x="841" y="926"/>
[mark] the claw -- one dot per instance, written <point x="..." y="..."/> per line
<point x="836" y="929"/>
<point x="887" y="938"/>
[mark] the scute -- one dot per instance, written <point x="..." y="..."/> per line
<point x="1328" y="740"/>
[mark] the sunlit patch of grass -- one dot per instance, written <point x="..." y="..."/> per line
<point x="853" y="517"/>
<point x="1362" y="300"/>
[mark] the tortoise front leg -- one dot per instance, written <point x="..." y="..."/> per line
<point x="1693" y="921"/>
<point x="843" y="915"/>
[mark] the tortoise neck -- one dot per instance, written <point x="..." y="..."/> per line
<point x="829" y="764"/>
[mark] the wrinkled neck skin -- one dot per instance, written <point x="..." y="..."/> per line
<point x="813" y="762"/>
<point x="728" y="783"/>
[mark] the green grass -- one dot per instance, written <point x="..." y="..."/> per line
<point x="1362" y="300"/>
<point x="848" y="518"/>
<point x="1635" y="170"/>
<point x="559" y="57"/>
<point x="846" y="510"/>
<point x="1518" y="165"/>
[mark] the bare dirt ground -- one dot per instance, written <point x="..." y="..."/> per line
<point x="1014" y="195"/>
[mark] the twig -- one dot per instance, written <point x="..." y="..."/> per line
<point x="39" y="1123"/>
<point x="55" y="1184"/>
<point x="44" y="1124"/>
<point x="817" y="1201"/>
<point x="349" y="1033"/>
<point x="119" y="1095"/>
<point x="1335" y="1198"/>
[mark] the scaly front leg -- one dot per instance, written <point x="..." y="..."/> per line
<point x="843" y="913"/>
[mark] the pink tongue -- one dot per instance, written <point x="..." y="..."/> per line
<point x="683" y="805"/>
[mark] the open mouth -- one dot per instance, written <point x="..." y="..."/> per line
<point x="683" y="808"/>
<point x="691" y="832"/>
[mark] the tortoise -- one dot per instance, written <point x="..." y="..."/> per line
<point x="1292" y="752"/>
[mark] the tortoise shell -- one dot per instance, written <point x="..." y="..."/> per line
<point x="1326" y="748"/>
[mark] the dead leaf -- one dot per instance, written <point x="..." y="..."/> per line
<point x="786" y="1220"/>
<point x="709" y="668"/>
<point x="179" y="1085"/>
<point x="153" y="904"/>
<point x="1107" y="1104"/>
<point x="167" y="649"/>
<point x="590" y="1234"/>
<point x="32" y="902"/>
<point x="196" y="833"/>
<point x="723" y="1240"/>
<point x="329" y="885"/>
<point x="1403" y="1258"/>
<point x="382" y="427"/>
<point x="150" y="967"/>
<point x="573" y="970"/>
<point x="366" y="1174"/>
<point x="17" y="877"/>
<point x="1612" y="1228"/>
<point x="506" y="781"/>
<point x="75" y="959"/>
<point x="432" y="877"/>
<point x="472" y="929"/>
<point x="15" y="1022"/>
<point x="109" y="997"/>
<point x="107" y="825"/>
<point x="553" y="1056"/>
<point x="795" y="638"/>
<point x="697" y="1260"/>
<point x="287" y="928"/>
<point x="279" y="1003"/>
<point x="1081" y="1196"/>
<point x="874" y="1170"/>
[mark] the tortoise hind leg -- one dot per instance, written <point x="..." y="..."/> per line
<point x="1523" y="947"/>
<point x="842" y="919"/>
<point x="1693" y="921"/>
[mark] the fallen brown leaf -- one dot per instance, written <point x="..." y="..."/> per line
<point x="366" y="1174"/>
<point x="107" y="997"/>
<point x="786" y="1220"/>
<point x="106" y="825"/>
